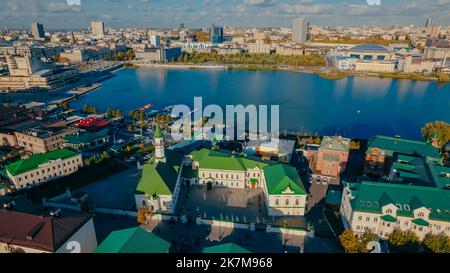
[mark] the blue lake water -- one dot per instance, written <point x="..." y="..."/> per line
<point x="355" y="106"/>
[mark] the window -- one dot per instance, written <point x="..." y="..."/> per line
<point x="375" y="219"/>
<point x="359" y="218"/>
<point x="420" y="214"/>
<point x="287" y="202"/>
<point x="277" y="202"/>
<point x="297" y="202"/>
<point x="389" y="211"/>
<point x="367" y="219"/>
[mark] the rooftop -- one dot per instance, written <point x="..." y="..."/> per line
<point x="403" y="146"/>
<point x="160" y="178"/>
<point x="367" y="48"/>
<point x="33" y="162"/>
<point x="372" y="196"/>
<point x="133" y="240"/>
<point x="33" y="227"/>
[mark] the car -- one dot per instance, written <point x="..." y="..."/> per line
<point x="131" y="159"/>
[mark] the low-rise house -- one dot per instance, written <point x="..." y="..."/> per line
<point x="87" y="140"/>
<point x="40" y="168"/>
<point x="39" y="230"/>
<point x="329" y="161"/>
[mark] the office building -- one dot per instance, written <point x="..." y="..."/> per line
<point x="300" y="30"/>
<point x="429" y="23"/>
<point x="216" y="35"/>
<point x="155" y="40"/>
<point x="38" y="31"/>
<point x="97" y="28"/>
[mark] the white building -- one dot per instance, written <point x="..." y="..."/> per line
<point x="300" y="30"/>
<point x="382" y="208"/>
<point x="40" y="168"/>
<point x="155" y="40"/>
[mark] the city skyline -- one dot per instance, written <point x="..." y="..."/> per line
<point x="57" y="14"/>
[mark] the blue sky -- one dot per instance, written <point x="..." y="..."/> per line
<point x="57" y="14"/>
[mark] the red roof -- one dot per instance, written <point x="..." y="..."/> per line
<point x="39" y="232"/>
<point x="92" y="122"/>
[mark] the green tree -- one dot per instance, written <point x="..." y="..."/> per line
<point x="437" y="243"/>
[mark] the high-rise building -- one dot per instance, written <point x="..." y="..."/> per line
<point x="300" y="30"/>
<point x="182" y="26"/>
<point x="38" y="30"/>
<point x="216" y="35"/>
<point x="429" y="22"/>
<point x="155" y="40"/>
<point x="97" y="28"/>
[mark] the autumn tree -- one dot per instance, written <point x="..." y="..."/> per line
<point x="404" y="241"/>
<point x="437" y="243"/>
<point x="440" y="128"/>
<point x="317" y="140"/>
<point x="367" y="237"/>
<point x="349" y="241"/>
<point x="142" y="215"/>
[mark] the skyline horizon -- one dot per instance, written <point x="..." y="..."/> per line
<point x="170" y="14"/>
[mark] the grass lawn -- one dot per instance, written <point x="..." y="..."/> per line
<point x="85" y="176"/>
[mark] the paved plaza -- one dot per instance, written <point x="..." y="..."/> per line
<point x="238" y="205"/>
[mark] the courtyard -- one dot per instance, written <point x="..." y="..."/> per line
<point x="229" y="204"/>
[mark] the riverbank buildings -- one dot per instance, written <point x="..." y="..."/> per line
<point x="408" y="189"/>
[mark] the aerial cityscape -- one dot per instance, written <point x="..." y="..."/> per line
<point x="233" y="127"/>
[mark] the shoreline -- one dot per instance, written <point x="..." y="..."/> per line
<point x="313" y="70"/>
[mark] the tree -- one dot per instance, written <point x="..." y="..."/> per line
<point x="440" y="128"/>
<point x="142" y="215"/>
<point x="317" y="140"/>
<point x="437" y="243"/>
<point x="404" y="241"/>
<point x="310" y="140"/>
<point x="349" y="241"/>
<point x="367" y="237"/>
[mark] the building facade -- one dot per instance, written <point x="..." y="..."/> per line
<point x="44" y="139"/>
<point x="383" y="208"/>
<point x="40" y="168"/>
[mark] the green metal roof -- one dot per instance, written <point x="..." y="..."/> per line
<point x="33" y="162"/>
<point x="160" y="178"/>
<point x="133" y="240"/>
<point x="421" y="222"/>
<point x="226" y="248"/>
<point x="372" y="196"/>
<point x="281" y="177"/>
<point x="333" y="197"/>
<point x="86" y="137"/>
<point x="222" y="160"/>
<point x="389" y="218"/>
<point x="158" y="132"/>
<point x="404" y="146"/>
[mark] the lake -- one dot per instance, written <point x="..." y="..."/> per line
<point x="354" y="106"/>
